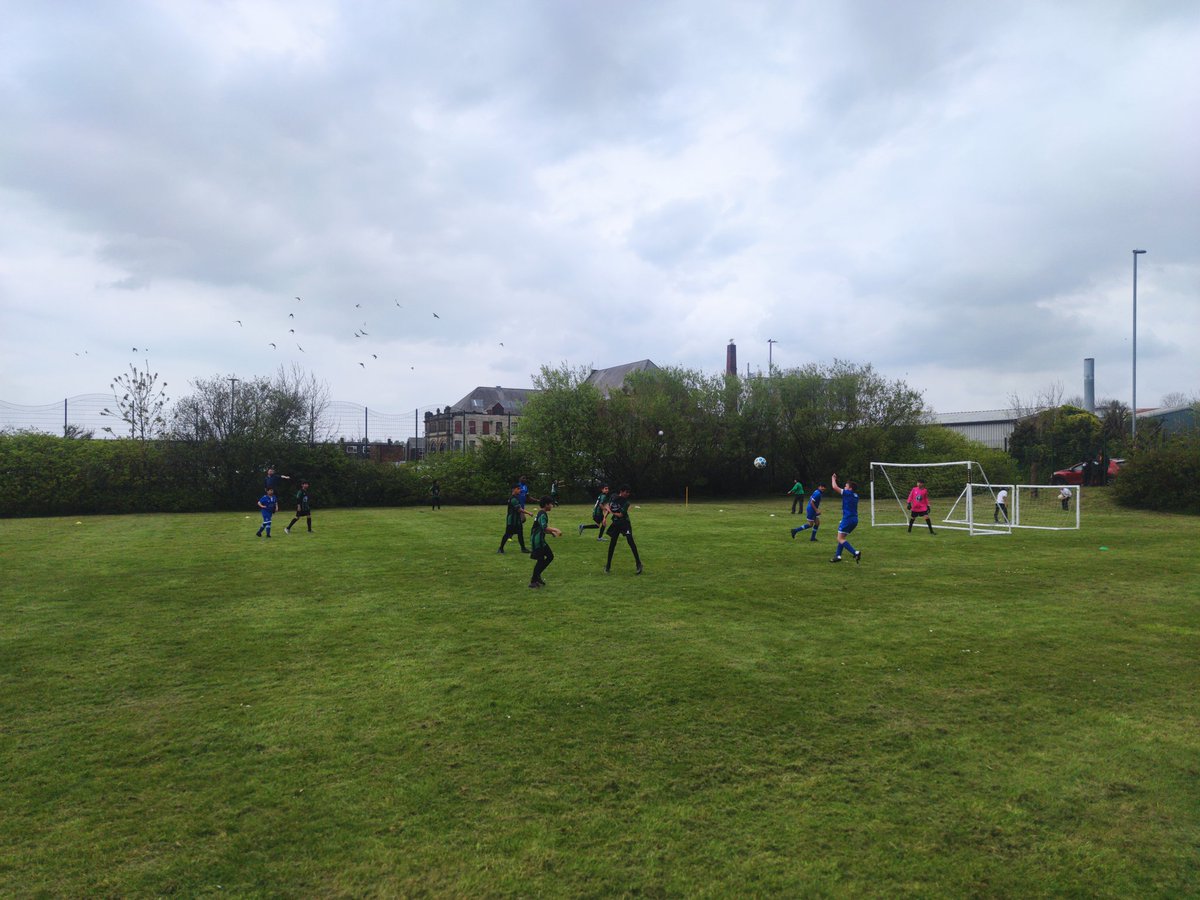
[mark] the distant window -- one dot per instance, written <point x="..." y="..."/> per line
<point x="471" y="427"/>
<point x="458" y="426"/>
<point x="499" y="428"/>
<point x="487" y="427"/>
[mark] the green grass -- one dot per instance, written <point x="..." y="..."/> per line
<point x="384" y="708"/>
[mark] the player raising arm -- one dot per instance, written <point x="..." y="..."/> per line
<point x="849" y="522"/>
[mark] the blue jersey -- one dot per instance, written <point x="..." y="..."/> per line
<point x="849" y="504"/>
<point x="267" y="502"/>
<point x="814" y="499"/>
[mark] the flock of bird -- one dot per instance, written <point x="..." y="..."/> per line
<point x="359" y="332"/>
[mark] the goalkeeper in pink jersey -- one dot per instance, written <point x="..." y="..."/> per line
<point x="918" y="506"/>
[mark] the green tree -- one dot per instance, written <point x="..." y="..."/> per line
<point x="1055" y="437"/>
<point x="560" y="425"/>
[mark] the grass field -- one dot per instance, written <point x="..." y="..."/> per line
<point x="384" y="708"/>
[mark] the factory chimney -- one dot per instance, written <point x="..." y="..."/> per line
<point x="731" y="358"/>
<point x="1089" y="384"/>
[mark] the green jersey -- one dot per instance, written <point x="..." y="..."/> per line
<point x="797" y="489"/>
<point x="537" y="534"/>
<point x="513" y="519"/>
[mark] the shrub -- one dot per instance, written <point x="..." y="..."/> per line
<point x="1163" y="478"/>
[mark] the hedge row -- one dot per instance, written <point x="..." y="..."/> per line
<point x="43" y="475"/>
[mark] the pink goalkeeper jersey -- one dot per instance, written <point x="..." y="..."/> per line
<point x="918" y="499"/>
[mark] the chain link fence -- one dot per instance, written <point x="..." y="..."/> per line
<point x="83" y="414"/>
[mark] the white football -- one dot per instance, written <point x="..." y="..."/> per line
<point x="760" y="462"/>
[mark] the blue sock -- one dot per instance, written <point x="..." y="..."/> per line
<point x="853" y="552"/>
<point x="838" y="551"/>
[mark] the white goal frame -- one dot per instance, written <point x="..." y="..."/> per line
<point x="1068" y="522"/>
<point x="960" y="517"/>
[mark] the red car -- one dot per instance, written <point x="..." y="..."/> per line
<point x="1074" y="475"/>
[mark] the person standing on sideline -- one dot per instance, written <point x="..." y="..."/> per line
<point x="269" y="506"/>
<point x="1065" y="497"/>
<point x="797" y="495"/>
<point x="812" y="512"/>
<point x="1001" y="506"/>
<point x="849" y="521"/>
<point x="618" y="511"/>
<point x="303" y="508"/>
<point x="523" y="485"/>
<point x="599" y="513"/>
<point x="435" y="496"/>
<point x="272" y="480"/>
<point x="918" y="506"/>
<point x="514" y="520"/>
<point x="554" y="492"/>
<point x="537" y="538"/>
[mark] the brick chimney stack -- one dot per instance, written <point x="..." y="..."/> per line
<point x="731" y="358"/>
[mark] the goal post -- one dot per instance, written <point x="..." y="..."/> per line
<point x="951" y="500"/>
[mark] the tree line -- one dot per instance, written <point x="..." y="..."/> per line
<point x="665" y="431"/>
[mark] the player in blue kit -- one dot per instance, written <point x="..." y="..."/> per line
<point x="269" y="506"/>
<point x="812" y="512"/>
<point x="849" y="521"/>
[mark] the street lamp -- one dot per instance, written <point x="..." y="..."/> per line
<point x="771" y="342"/>
<point x="1133" y="412"/>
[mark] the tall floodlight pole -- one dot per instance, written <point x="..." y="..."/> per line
<point x="1133" y="411"/>
<point x="771" y="342"/>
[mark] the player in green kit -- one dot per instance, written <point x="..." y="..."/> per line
<point x="514" y="520"/>
<point x="618" y="509"/>
<point x="599" y="513"/>
<point x="537" y="539"/>
<point x="303" y="508"/>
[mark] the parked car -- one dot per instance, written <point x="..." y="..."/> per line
<point x="1074" y="474"/>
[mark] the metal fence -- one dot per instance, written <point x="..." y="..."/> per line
<point x="341" y="419"/>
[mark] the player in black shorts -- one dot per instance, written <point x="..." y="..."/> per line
<point x="303" y="508"/>
<point x="619" y="524"/>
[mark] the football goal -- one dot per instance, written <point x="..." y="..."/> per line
<point x="960" y="496"/>
<point x="1048" y="507"/>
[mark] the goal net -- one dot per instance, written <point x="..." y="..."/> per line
<point x="1048" y="507"/>
<point x="960" y="496"/>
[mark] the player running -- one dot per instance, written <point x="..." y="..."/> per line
<point x="849" y="521"/>
<point x="599" y="513"/>
<point x="918" y="506"/>
<point x="514" y="520"/>
<point x="812" y="512"/>
<point x="303" y="508"/>
<point x="537" y="539"/>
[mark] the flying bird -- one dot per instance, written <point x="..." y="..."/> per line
<point x="502" y="343"/>
<point x="301" y="349"/>
<point x="364" y="332"/>
<point x="273" y="347"/>
<point x="436" y="316"/>
<point x="358" y="306"/>
<point x="364" y="365"/>
<point x="291" y="331"/>
<point x="291" y="315"/>
<point x="374" y="356"/>
<point x="238" y="321"/>
<point x="299" y="300"/>
<point x="398" y="304"/>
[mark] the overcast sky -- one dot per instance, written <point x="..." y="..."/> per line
<point x="949" y="191"/>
